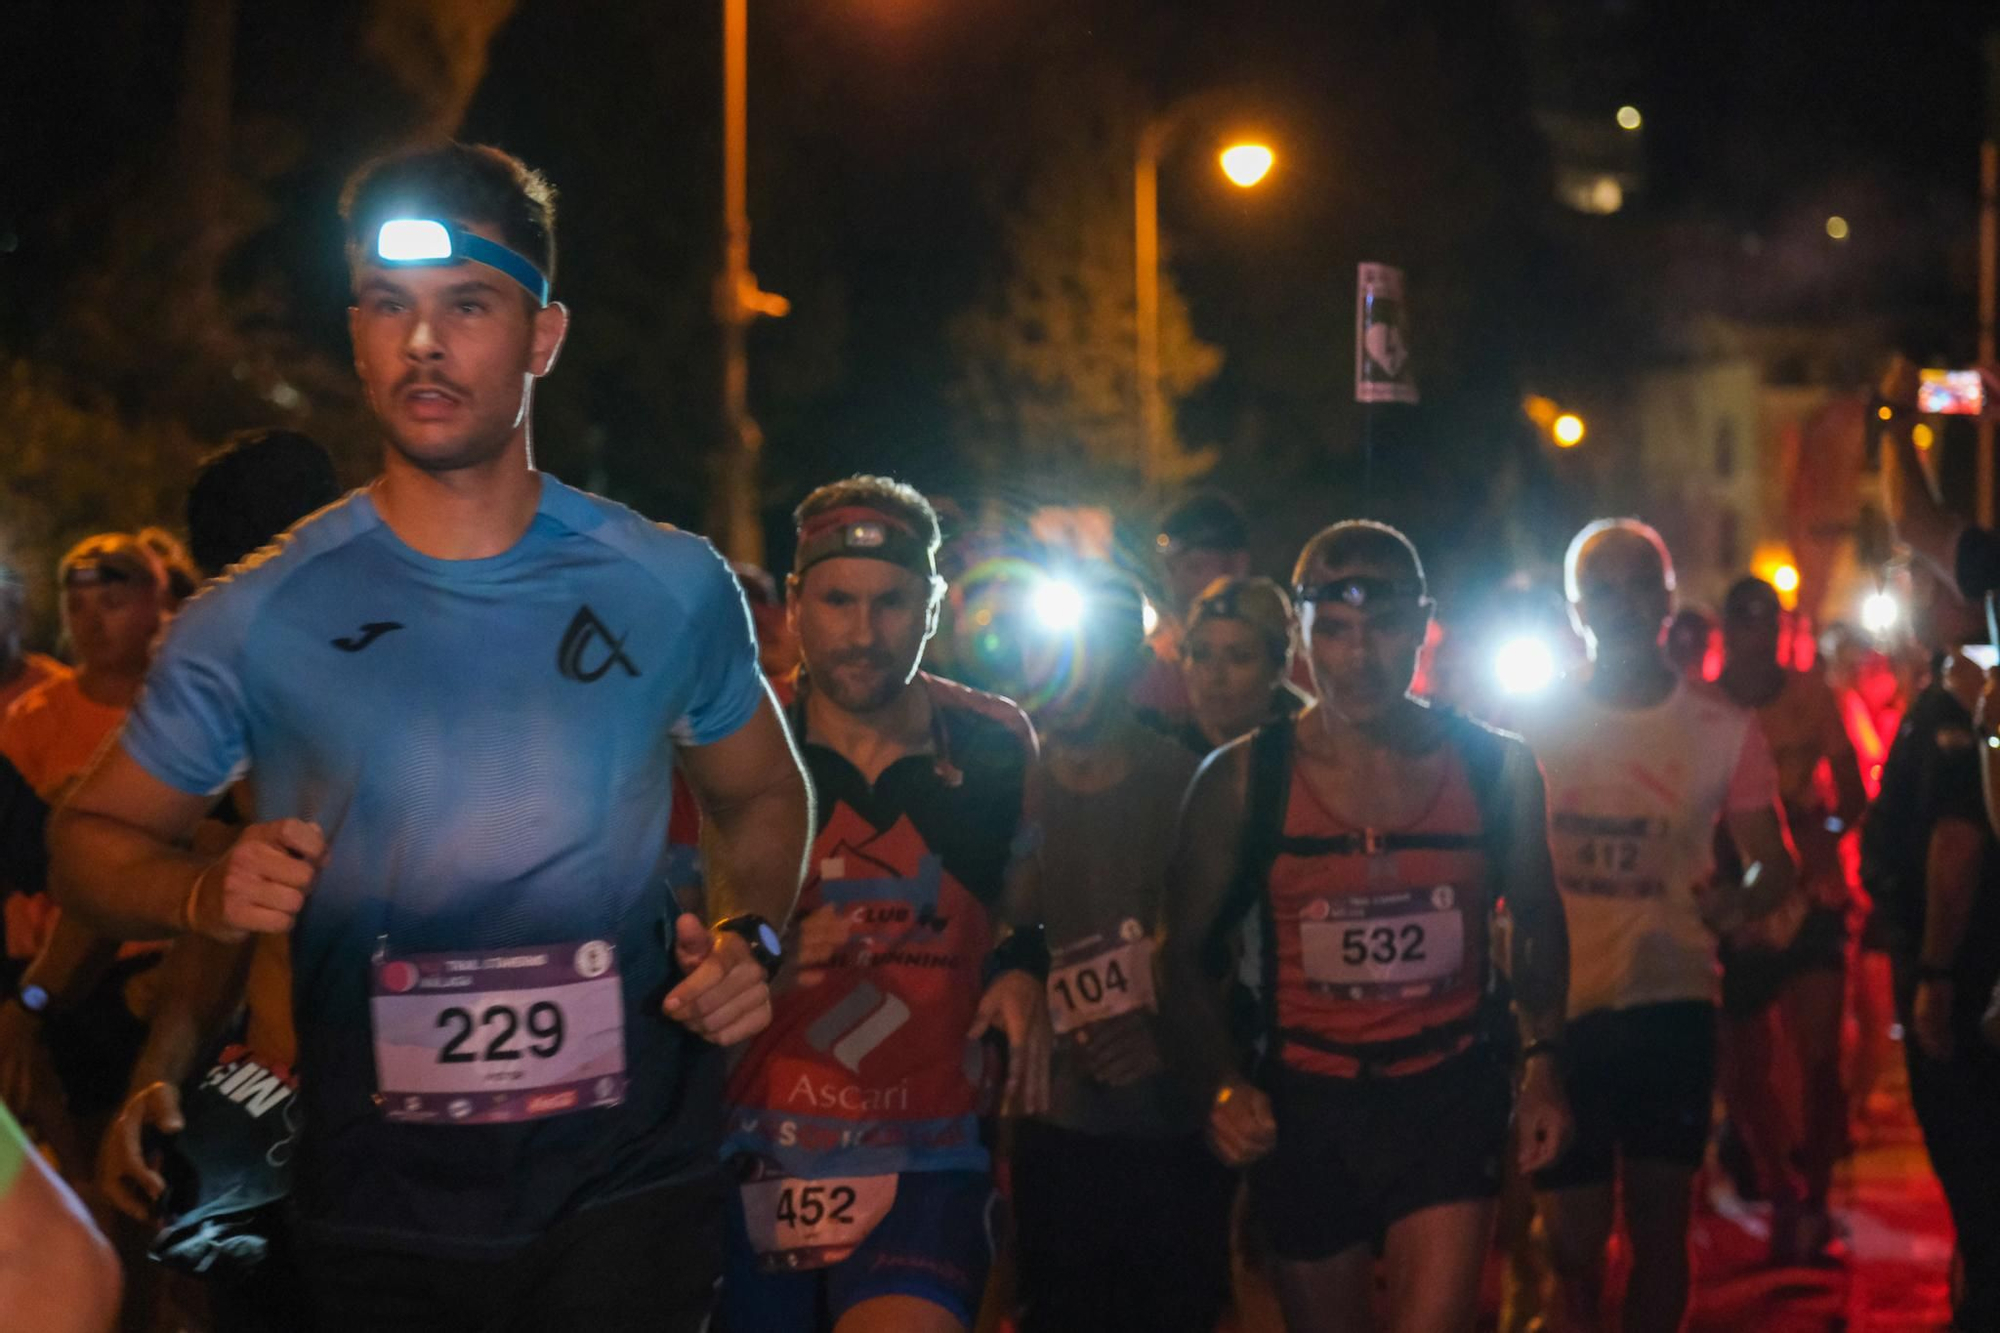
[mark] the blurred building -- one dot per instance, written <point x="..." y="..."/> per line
<point x="1751" y="445"/>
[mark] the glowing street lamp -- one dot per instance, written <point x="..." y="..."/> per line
<point x="1567" y="430"/>
<point x="1629" y="118"/>
<point x="1247" y="163"/>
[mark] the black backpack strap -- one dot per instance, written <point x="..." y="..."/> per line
<point x="1266" y="795"/>
<point x="1245" y="925"/>
<point x="1376" y="1056"/>
<point x="1485" y="753"/>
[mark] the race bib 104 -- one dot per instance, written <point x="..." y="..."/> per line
<point x="500" y="1036"/>
<point x="1404" y="945"/>
<point x="798" y="1224"/>
<point x="1097" y="980"/>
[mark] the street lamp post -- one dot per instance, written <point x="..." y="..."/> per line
<point x="735" y="511"/>
<point x="1146" y="303"/>
<point x="1245" y="165"/>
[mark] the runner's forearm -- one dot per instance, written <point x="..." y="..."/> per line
<point x="119" y="878"/>
<point x="1538" y="938"/>
<point x="71" y="964"/>
<point x="1193" y="1010"/>
<point x="762" y="840"/>
<point x="1851" y="791"/>
<point x="1951" y="879"/>
<point x="201" y="987"/>
<point x="1203" y="869"/>
<point x="1022" y="945"/>
<point x="1989" y="784"/>
<point x="1770" y="873"/>
<point x="1539" y="967"/>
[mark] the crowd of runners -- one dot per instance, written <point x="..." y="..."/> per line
<point x="462" y="904"/>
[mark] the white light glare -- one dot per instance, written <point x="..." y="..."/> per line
<point x="1879" y="612"/>
<point x="413" y="240"/>
<point x="1524" y="666"/>
<point x="1058" y="605"/>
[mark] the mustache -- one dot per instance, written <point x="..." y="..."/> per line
<point x="428" y="380"/>
<point x="862" y="657"/>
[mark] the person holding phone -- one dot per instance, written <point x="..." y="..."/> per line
<point x="1958" y="549"/>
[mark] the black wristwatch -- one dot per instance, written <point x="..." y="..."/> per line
<point x="765" y="944"/>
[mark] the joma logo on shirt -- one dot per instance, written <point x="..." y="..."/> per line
<point x="370" y="632"/>
<point x="588" y="649"/>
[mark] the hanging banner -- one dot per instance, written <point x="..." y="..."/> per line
<point x="1382" y="372"/>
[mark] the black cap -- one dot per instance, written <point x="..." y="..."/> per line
<point x="250" y="490"/>
<point x="1206" y="521"/>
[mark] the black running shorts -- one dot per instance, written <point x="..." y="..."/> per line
<point x="1356" y="1155"/>
<point x="1639" y="1081"/>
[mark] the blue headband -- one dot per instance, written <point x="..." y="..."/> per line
<point x="427" y="242"/>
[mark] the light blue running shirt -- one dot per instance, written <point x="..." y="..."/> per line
<point x="488" y="745"/>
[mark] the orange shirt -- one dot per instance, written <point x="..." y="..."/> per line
<point x="35" y="669"/>
<point x="52" y="732"/>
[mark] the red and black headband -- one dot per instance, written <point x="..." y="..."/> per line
<point x="862" y="532"/>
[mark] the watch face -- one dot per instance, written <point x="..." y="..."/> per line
<point x="768" y="937"/>
<point x="34" y="999"/>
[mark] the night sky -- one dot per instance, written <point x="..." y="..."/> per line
<point x="891" y="138"/>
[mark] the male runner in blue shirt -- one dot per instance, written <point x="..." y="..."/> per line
<point x="459" y="696"/>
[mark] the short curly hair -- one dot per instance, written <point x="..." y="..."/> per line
<point x="460" y="182"/>
<point x="1360" y="541"/>
<point x="898" y="499"/>
<point x="1616" y="529"/>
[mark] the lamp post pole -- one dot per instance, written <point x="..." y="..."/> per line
<point x="1146" y="305"/>
<point x="735" y="509"/>
<point x="1155" y="460"/>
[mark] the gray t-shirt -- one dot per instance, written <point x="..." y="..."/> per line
<point x="1104" y="867"/>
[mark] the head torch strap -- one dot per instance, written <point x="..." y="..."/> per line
<point x="861" y="533"/>
<point x="91" y="572"/>
<point x="514" y="264"/>
<point x="1261" y="607"/>
<point x="1360" y="593"/>
<point x="410" y="243"/>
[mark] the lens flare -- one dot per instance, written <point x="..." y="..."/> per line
<point x="1058" y="605"/>
<point x="1524" y="666"/>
